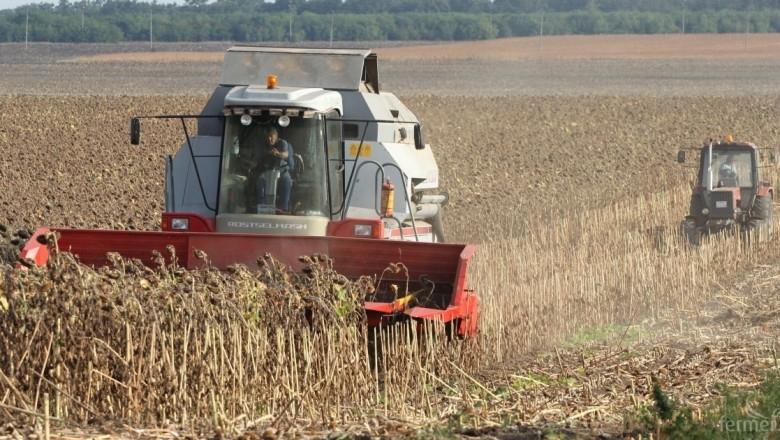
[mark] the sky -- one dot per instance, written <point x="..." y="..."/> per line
<point x="13" y="4"/>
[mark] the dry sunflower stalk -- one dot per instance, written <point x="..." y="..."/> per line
<point x="132" y="342"/>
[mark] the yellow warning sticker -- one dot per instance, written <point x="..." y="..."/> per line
<point x="365" y="150"/>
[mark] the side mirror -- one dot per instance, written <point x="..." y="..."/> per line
<point x="773" y="157"/>
<point x="135" y="131"/>
<point x="419" y="137"/>
<point x="681" y="156"/>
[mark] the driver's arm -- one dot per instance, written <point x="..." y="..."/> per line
<point x="246" y="161"/>
<point x="284" y="152"/>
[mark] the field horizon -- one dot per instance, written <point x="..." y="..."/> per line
<point x="553" y="47"/>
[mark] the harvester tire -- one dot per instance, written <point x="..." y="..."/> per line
<point x="689" y="232"/>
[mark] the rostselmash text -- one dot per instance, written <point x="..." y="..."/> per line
<point x="259" y="225"/>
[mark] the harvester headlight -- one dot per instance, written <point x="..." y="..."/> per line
<point x="284" y="121"/>
<point x="246" y="119"/>
<point x="180" y="224"/>
<point x="705" y="211"/>
<point x="363" y="230"/>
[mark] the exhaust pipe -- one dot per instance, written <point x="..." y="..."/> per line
<point x="438" y="199"/>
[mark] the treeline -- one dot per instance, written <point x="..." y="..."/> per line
<point x="376" y="20"/>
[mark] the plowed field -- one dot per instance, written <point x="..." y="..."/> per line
<point x="520" y="140"/>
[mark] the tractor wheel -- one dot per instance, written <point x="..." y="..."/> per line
<point x="760" y="223"/>
<point x="696" y="206"/>
<point x="689" y="232"/>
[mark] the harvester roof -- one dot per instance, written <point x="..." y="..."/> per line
<point x="309" y="98"/>
<point x="334" y="69"/>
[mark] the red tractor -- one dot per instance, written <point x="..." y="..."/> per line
<point x="728" y="194"/>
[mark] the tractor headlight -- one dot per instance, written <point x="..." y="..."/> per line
<point x="362" y="230"/>
<point x="180" y="224"/>
<point x="246" y="119"/>
<point x="284" y="121"/>
<point x="705" y="211"/>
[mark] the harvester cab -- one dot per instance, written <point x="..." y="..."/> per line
<point x="342" y="146"/>
<point x="298" y="152"/>
<point x="728" y="193"/>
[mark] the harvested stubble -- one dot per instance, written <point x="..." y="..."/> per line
<point x="169" y="344"/>
<point x="150" y="346"/>
<point x="608" y="268"/>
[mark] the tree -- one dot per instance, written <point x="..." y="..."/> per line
<point x="516" y="6"/>
<point x="63" y="6"/>
<point x="587" y="23"/>
<point x="470" y="6"/>
<point x="520" y="25"/>
<point x="470" y="27"/>
<point x="367" y="6"/>
<point x="321" y="7"/>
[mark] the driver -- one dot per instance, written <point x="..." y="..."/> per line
<point x="277" y="154"/>
<point x="728" y="169"/>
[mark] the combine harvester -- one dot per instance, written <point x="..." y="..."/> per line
<point x="353" y="180"/>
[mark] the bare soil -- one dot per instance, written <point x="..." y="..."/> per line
<point x="669" y="46"/>
<point x="617" y="65"/>
<point x="521" y="127"/>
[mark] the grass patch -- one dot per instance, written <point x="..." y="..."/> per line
<point x="610" y="333"/>
<point x="741" y="413"/>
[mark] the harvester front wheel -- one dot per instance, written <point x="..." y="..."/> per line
<point x="689" y="232"/>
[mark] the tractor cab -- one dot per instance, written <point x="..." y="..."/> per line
<point x="728" y="166"/>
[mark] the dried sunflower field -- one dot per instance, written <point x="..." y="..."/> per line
<point x="556" y="165"/>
